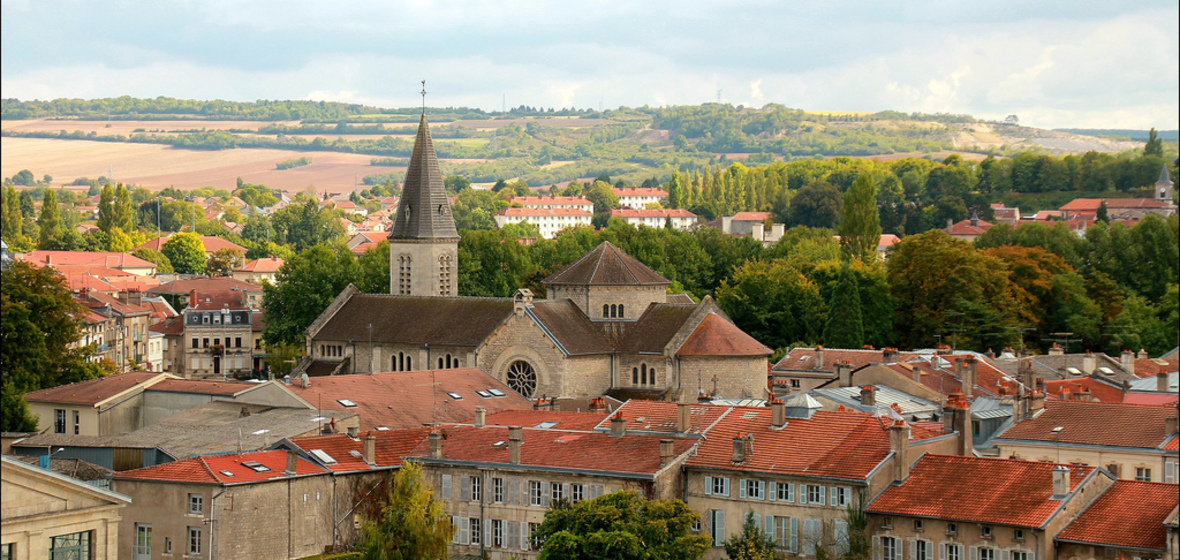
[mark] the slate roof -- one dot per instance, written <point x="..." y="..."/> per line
<point x="392" y="446"/>
<point x="655" y="328"/>
<point x="715" y="336"/>
<point x="93" y="391"/>
<point x="572" y="329"/>
<point x="886" y="396"/>
<point x="410" y="399"/>
<point x="577" y="450"/>
<point x="1097" y="423"/>
<point x="423" y="212"/>
<point x="72" y="467"/>
<point x="606" y="265"/>
<point x="1130" y="514"/>
<point x="1009" y="492"/>
<point x="452" y="321"/>
<point x="222" y="469"/>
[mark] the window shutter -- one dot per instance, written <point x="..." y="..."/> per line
<point x="741" y="488"/>
<point x="487" y="533"/>
<point x="513" y="491"/>
<point x="1004" y="554"/>
<point x="769" y="528"/>
<point x="464" y="530"/>
<point x="725" y="486"/>
<point x="876" y="547"/>
<point x="545" y="494"/>
<point x="793" y="544"/>
<point x="761" y="489"/>
<point x="822" y="496"/>
<point x="446" y="487"/>
<point x="757" y="521"/>
<point x="1169" y="471"/>
<point x="719" y="538"/>
<point x="913" y="549"/>
<point x="772" y="491"/>
<point x="456" y="538"/>
<point x="834" y="500"/>
<point x="513" y="534"/>
<point x="524" y="535"/>
<point x="465" y="488"/>
<point x="791" y="492"/>
<point x="941" y="551"/>
<point x="565" y="491"/>
<point x="708" y="485"/>
<point x="802" y="493"/>
<point x="975" y="553"/>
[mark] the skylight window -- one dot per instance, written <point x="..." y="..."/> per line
<point x="227" y="473"/>
<point x="355" y="453"/>
<point x="498" y="444"/>
<point x="259" y="432"/>
<point x="455" y="396"/>
<point x="322" y="456"/>
<point x="546" y="425"/>
<point x="382" y="428"/>
<point x="346" y="403"/>
<point x="496" y="392"/>
<point x="484" y="394"/>
<point x="750" y="414"/>
<point x="255" y="466"/>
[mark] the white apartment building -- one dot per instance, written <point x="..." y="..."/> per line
<point x="681" y="218"/>
<point x="639" y="198"/>
<point x="561" y="202"/>
<point x="548" y="220"/>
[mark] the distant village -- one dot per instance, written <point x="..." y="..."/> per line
<point x="195" y="448"/>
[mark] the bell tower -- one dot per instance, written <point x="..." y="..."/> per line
<point x="1163" y="187"/>
<point x="423" y="244"/>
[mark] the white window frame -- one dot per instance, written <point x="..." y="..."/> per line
<point x="476" y="489"/>
<point x="498" y="490"/>
<point x="196" y="504"/>
<point x="954" y="551"/>
<point x="987" y="553"/>
<point x="1143" y="474"/>
<point x="577" y="492"/>
<point x="536" y="493"/>
<point x="889" y="549"/>
<point x="556" y="492"/>
<point x="476" y="529"/>
<point x="194" y="540"/>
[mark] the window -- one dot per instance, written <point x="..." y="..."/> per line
<point x="1018" y="534"/>
<point x="1017" y="555"/>
<point x="167" y="545"/>
<point x="951" y="528"/>
<point x="498" y="490"/>
<point x="921" y="550"/>
<point x="795" y="384"/>
<point x="954" y="551"/>
<point x="143" y="540"/>
<point x="59" y="421"/>
<point x="528" y="543"/>
<point x="444" y="275"/>
<point x="781" y="532"/>
<point x="556" y="492"/>
<point x="577" y="493"/>
<point x="237" y="342"/>
<point x="1143" y="474"/>
<point x="987" y="553"/>
<point x="205" y="342"/>
<point x="717" y="526"/>
<point x="70" y="547"/>
<point x="985" y="531"/>
<point x="497" y="533"/>
<point x="889" y="548"/>
<point x="535" y="495"/>
<point x="605" y="311"/>
<point x="476" y="489"/>
<point x="195" y="503"/>
<point x="841" y="496"/>
<point x="476" y="530"/>
<point x="754" y="489"/>
<point x="918" y="524"/>
<point x="784" y="492"/>
<point x="404" y="277"/>
<point x="815" y="494"/>
<point x="194" y="540"/>
<point x="195" y="343"/>
<point x="77" y="422"/>
<point x="6" y="552"/>
<point x="718" y="485"/>
<point x="217" y="342"/>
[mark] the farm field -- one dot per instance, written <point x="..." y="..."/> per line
<point x="108" y="128"/>
<point x="157" y="167"/>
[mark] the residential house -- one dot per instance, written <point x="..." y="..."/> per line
<point x="553" y="202"/>
<point x="178" y="291"/>
<point x="1129" y="520"/>
<point x="549" y="221"/>
<point x="130" y="319"/>
<point x="656" y="218"/>
<point x="959" y="508"/>
<point x="969" y="229"/>
<point x="365" y="240"/>
<point x="1005" y="215"/>
<point x="218" y="335"/>
<point x="258" y="271"/>
<point x="804" y="369"/>
<point x="752" y="224"/>
<point x="120" y="261"/>
<point x="50" y="515"/>
<point x="212" y="244"/>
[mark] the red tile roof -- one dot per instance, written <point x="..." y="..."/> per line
<point x="84" y="258"/>
<point x="392" y="446"/>
<point x="1097" y="423"/>
<point x="1149" y="367"/>
<point x="1130" y="514"/>
<point x="715" y="336"/>
<point x="213" y="469"/>
<point x="803" y="359"/>
<point x="751" y="216"/>
<point x="639" y="191"/>
<point x="513" y="212"/>
<point x="965" y="228"/>
<point x="594" y="451"/>
<point x="202" y="387"/>
<point x="658" y="416"/>
<point x="1016" y="492"/>
<point x="220" y="284"/>
<point x="652" y="213"/>
<point x="234" y="300"/>
<point x="267" y="264"/>
<point x="410" y="399"/>
<point x="533" y="418"/>
<point x="211" y="244"/>
<point x="550" y="201"/>
<point x="1098" y="389"/>
<point x="93" y="391"/>
<point x="830" y="444"/>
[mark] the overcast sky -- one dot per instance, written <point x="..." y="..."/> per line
<point x="1075" y="63"/>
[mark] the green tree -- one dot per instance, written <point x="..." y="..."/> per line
<point x="602" y="196"/>
<point x="491" y="263"/>
<point x="27" y="208"/>
<point x="816" y="205"/>
<point x="39" y="322"/>
<point x="752" y="543"/>
<point x="860" y="222"/>
<point x="10" y="220"/>
<point x="303" y="288"/>
<point x="305" y="224"/>
<point x="412" y="525"/>
<point x="620" y="526"/>
<point x="153" y="256"/>
<point x="186" y="252"/>
<point x="119" y="242"/>
<point x="224" y="261"/>
<point x="106" y="208"/>
<point x="774" y="302"/>
<point x="1154" y="146"/>
<point x="845" y="327"/>
<point x="50" y="221"/>
<point x="123" y="212"/>
<point x="25" y="178"/>
<point x="1103" y="214"/>
<point x="456" y="184"/>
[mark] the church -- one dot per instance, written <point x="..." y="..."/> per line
<point x="608" y="326"/>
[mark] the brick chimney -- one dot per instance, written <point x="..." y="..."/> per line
<point x="192" y="298"/>
<point x="481" y="416"/>
<point x="369" y="450"/>
<point x="844" y="373"/>
<point x="868" y="395"/>
<point x="1060" y="482"/>
<point x="1170" y="425"/>
<point x="944" y="350"/>
<point x="1161" y="382"/>
<point x="515" y="440"/>
<point x="819" y="356"/>
<point x="969" y="374"/>
<point x="618" y="426"/>
<point x="739" y="449"/>
<point x="956" y="417"/>
<point x="1036" y="402"/>
<point x="292" y="463"/>
<point x="889" y="355"/>
<point x="778" y="413"/>
<point x="683" y="417"/>
<point x="666" y="451"/>
<point x="899" y="443"/>
<point x="436" y="445"/>
<point x="1019" y="405"/>
<point x="1127" y="360"/>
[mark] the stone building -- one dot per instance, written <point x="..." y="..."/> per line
<point x="1131" y="519"/>
<point x="218" y="338"/>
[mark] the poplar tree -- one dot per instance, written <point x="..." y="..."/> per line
<point x="106" y="208"/>
<point x="50" y="221"/>
<point x="860" y="222"/>
<point x="124" y="211"/>
<point x="845" y="325"/>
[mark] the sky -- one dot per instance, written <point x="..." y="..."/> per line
<point x="1054" y="64"/>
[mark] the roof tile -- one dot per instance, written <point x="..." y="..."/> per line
<point x="1130" y="514"/>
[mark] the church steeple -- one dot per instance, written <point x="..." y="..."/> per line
<point x="423" y="211"/>
<point x="1163" y="187"/>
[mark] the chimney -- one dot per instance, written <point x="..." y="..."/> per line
<point x="819" y="356"/>
<point x="974" y="219"/>
<point x="778" y="413"/>
<point x="916" y="372"/>
<point x="1170" y="425"/>
<point x="353" y="432"/>
<point x="844" y="373"/>
<point x="950" y="225"/>
<point x="1024" y="371"/>
<point x="739" y="449"/>
<point x="436" y="441"/>
<point x="1088" y="364"/>
<point x="683" y="417"/>
<point x="618" y="426"/>
<point x="665" y="452"/>
<point x="515" y="440"/>
<point x="990" y="353"/>
<point x="1060" y="482"/>
<point x="1036" y="402"/>
<point x="970" y="374"/>
<point x="957" y="418"/>
<point x="868" y="395"/>
<point x="192" y="298"/>
<point x="899" y="443"/>
<point x="1142" y="355"/>
<point x="244" y="412"/>
<point x="133" y="297"/>
<point x="944" y="350"/>
<point x="757" y="231"/>
<point x="957" y="366"/>
<point x="1019" y="402"/>
<point x="481" y="416"/>
<point x="889" y="355"/>
<point x="369" y="449"/>
<point x="1127" y="360"/>
<point x="1161" y="382"/>
<point x="292" y="463"/>
<point x="1056" y="350"/>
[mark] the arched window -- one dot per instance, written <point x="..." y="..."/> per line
<point x="614" y="311"/>
<point x="635" y="376"/>
<point x="643" y="374"/>
<point x="605" y="311"/>
<point x="440" y="362"/>
<point x="409" y="363"/>
<point x="620" y="311"/>
<point x="522" y="378"/>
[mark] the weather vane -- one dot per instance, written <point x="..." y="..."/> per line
<point x="423" y="97"/>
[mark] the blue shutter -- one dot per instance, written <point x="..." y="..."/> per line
<point x="761" y="489"/>
<point x="793" y="543"/>
<point x="769" y="526"/>
<point x="741" y="488"/>
<point x="772" y="491"/>
<point x="708" y="486"/>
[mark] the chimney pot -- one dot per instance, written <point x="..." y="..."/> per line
<point x="778" y="413"/>
<point x="481" y="416"/>
<point x="666" y="450"/>
<point x="889" y="355"/>
<point x="1127" y="360"/>
<point x="899" y="443"/>
<point x="292" y="463"/>
<point x="515" y="440"/>
<point x="819" y="356"/>
<point x="369" y="450"/>
<point x="436" y="445"/>
<point x="683" y="417"/>
<point x="353" y="431"/>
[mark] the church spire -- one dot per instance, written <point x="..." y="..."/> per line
<point x="1164" y="178"/>
<point x="423" y="211"/>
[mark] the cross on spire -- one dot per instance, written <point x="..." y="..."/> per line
<point x="423" y="97"/>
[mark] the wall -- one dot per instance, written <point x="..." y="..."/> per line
<point x="736" y="377"/>
<point x="1127" y="461"/>
<point x="424" y="271"/>
<point x="36" y="509"/>
<point x="87" y="416"/>
<point x="519" y="338"/>
<point x="967" y="535"/>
